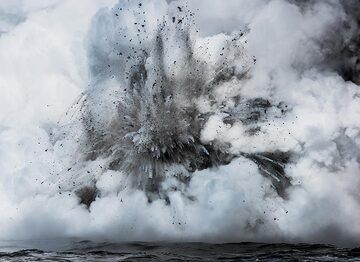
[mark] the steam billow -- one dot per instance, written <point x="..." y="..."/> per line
<point x="154" y="87"/>
<point x="220" y="121"/>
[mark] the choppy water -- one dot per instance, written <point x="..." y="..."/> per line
<point x="160" y="251"/>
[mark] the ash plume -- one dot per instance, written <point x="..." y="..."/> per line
<point x="151" y="127"/>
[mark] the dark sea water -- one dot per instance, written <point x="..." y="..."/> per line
<point x="160" y="251"/>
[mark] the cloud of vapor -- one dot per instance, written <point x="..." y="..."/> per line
<point x="294" y="88"/>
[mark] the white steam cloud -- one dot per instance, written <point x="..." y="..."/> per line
<point x="297" y="55"/>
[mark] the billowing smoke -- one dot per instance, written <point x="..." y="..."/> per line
<point x="174" y="120"/>
<point x="153" y="92"/>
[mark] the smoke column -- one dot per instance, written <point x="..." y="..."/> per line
<point x="180" y="120"/>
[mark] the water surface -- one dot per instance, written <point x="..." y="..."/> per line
<point x="65" y="250"/>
